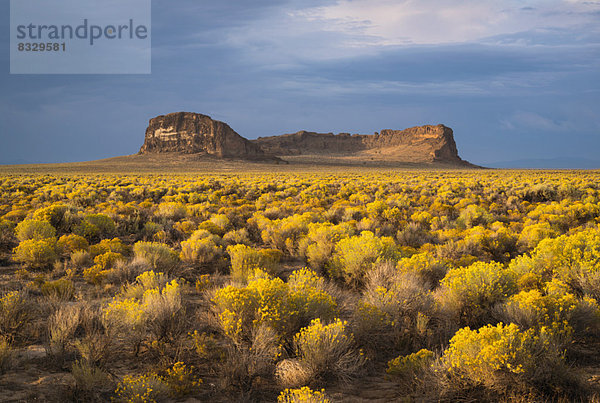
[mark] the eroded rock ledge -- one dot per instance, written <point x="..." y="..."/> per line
<point x="194" y="133"/>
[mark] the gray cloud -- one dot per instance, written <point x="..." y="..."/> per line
<point x="269" y="67"/>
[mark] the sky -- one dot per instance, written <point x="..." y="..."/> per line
<point x="517" y="80"/>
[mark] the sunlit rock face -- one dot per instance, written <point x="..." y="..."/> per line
<point x="189" y="133"/>
<point x="416" y="144"/>
<point x="194" y="133"/>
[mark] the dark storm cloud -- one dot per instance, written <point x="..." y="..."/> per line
<point x="270" y="67"/>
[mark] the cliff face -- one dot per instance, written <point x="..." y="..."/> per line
<point x="433" y="143"/>
<point x="190" y="133"/>
<point x="193" y="133"/>
<point x="417" y="144"/>
<point x="304" y="142"/>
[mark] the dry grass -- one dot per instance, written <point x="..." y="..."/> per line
<point x="96" y="345"/>
<point x="293" y="373"/>
<point x="61" y="329"/>
<point x="245" y="366"/>
<point x="6" y="354"/>
<point x="90" y="381"/>
<point x="15" y="313"/>
<point x="126" y="272"/>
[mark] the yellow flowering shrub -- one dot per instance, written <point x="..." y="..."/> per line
<point x="54" y="214"/>
<point x="557" y="310"/>
<point x="531" y="309"/>
<point x="164" y="310"/>
<point x="114" y="245"/>
<point x="502" y="356"/>
<point x="306" y="278"/>
<point x="203" y="283"/>
<point x="104" y="263"/>
<point x="578" y="251"/>
<point x="303" y="395"/>
<point x="285" y="233"/>
<point x="264" y="300"/>
<point x="199" y="249"/>
<point x="308" y="296"/>
<point x="326" y="350"/>
<point x="473" y="291"/>
<point x="129" y="319"/>
<point x="410" y="365"/>
<point x="181" y="381"/>
<point x="36" y="253"/>
<point x="212" y="228"/>
<point x="108" y="260"/>
<point x="425" y="266"/>
<point x="158" y="255"/>
<point x="354" y="256"/>
<point x="34" y="229"/>
<point x="245" y="260"/>
<point x="95" y="227"/>
<point x="145" y="281"/>
<point x="573" y="259"/>
<point x="237" y="310"/>
<point x="205" y="345"/>
<point x="220" y="220"/>
<point x="496" y="242"/>
<point x="186" y="227"/>
<point x="239" y="236"/>
<point x="147" y="388"/>
<point x="67" y="244"/>
<point x="171" y="210"/>
<point x="150" y="307"/>
<point x="282" y="306"/>
<point x="529" y="281"/>
<point x="474" y="215"/>
<point x="319" y="243"/>
<point x="533" y="234"/>
<point x="14" y="314"/>
<point x="431" y="259"/>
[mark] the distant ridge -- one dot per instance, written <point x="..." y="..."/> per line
<point x="548" y="163"/>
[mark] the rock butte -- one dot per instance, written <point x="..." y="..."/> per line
<point x="194" y="133"/>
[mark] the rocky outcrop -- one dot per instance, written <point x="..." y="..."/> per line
<point x="304" y="142"/>
<point x="194" y="133"/>
<point x="425" y="144"/>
